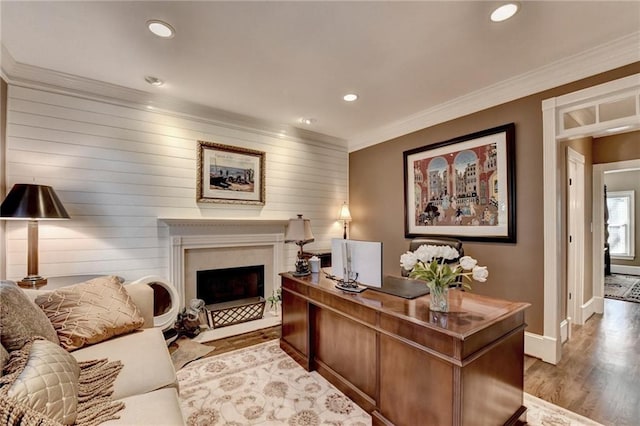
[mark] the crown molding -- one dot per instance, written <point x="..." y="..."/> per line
<point x="30" y="76"/>
<point x="605" y="57"/>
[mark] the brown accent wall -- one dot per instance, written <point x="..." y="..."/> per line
<point x="516" y="271"/>
<point x="622" y="147"/>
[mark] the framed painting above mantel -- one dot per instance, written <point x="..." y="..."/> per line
<point x="463" y="187"/>
<point x="228" y="174"/>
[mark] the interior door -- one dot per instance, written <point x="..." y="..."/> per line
<point x="575" y="238"/>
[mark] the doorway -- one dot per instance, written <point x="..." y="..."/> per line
<point x="591" y="112"/>
<point x="599" y="171"/>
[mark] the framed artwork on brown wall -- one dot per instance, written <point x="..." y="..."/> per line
<point x="463" y="187"/>
<point x="229" y="174"/>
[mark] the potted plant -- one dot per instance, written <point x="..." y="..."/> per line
<point x="275" y="300"/>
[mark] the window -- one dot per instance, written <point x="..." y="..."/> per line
<point x="621" y="230"/>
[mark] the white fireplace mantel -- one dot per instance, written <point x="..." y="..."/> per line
<point x="190" y="233"/>
<point x="216" y="221"/>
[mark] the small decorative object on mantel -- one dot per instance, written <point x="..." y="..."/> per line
<point x="428" y="263"/>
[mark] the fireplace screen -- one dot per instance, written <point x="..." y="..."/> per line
<point x="230" y="284"/>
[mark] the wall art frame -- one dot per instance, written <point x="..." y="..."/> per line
<point x="229" y="174"/>
<point x="463" y="187"/>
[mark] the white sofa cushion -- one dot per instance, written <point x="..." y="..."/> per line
<point x="156" y="408"/>
<point x="146" y="359"/>
<point x="142" y="295"/>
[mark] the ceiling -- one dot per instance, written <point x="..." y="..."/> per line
<point x="277" y="62"/>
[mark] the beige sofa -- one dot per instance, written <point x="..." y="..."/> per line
<point x="147" y="383"/>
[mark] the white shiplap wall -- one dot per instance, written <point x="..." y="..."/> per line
<point x="118" y="168"/>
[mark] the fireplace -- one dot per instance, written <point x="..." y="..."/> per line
<point x="200" y="244"/>
<point x="230" y="284"/>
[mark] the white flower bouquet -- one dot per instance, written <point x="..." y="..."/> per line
<point x="428" y="263"/>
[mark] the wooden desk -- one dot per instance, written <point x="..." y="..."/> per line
<point x="403" y="363"/>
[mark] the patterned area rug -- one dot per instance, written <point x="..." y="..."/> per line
<point x="622" y="287"/>
<point x="543" y="413"/>
<point x="262" y="385"/>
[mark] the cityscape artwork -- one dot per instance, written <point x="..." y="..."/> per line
<point x="462" y="187"/>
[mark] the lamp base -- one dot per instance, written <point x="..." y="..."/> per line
<point x="32" y="281"/>
<point x="302" y="268"/>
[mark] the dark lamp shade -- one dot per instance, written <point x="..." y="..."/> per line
<point x="26" y="201"/>
<point x="298" y="231"/>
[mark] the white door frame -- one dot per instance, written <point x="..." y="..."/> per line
<point x="575" y="225"/>
<point x="549" y="346"/>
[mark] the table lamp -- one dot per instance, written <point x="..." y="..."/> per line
<point x="299" y="232"/>
<point x="32" y="203"/>
<point x="344" y="216"/>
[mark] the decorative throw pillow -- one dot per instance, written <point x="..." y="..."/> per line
<point x="20" y="318"/>
<point x="90" y="312"/>
<point x="45" y="377"/>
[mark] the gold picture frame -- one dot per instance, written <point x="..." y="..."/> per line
<point x="229" y="174"/>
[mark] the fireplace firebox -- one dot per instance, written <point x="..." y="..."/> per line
<point x="232" y="295"/>
<point x="229" y="284"/>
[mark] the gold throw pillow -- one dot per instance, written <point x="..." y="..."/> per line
<point x="46" y="381"/>
<point x="90" y="312"/>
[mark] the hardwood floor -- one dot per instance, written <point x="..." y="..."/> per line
<point x="244" y="340"/>
<point x="598" y="376"/>
<point x="599" y="373"/>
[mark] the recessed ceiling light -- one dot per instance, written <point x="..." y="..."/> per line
<point x="504" y="12"/>
<point x="307" y="121"/>
<point x="350" y="97"/>
<point x="161" y="29"/>
<point x="154" y="81"/>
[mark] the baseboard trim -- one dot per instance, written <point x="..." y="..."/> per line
<point x="624" y="269"/>
<point x="542" y="347"/>
<point x="589" y="308"/>
<point x="564" y="330"/>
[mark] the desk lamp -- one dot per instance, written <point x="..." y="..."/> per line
<point x="33" y="203"/>
<point x="345" y="217"/>
<point x="299" y="232"/>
